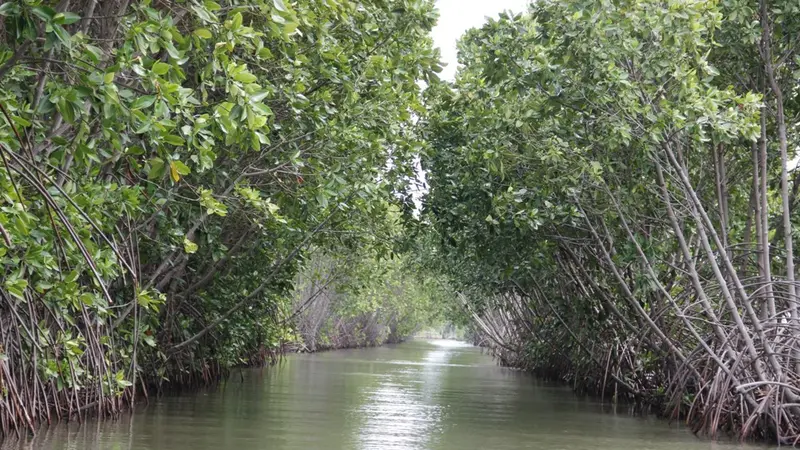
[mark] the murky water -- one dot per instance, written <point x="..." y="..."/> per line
<point x="418" y="395"/>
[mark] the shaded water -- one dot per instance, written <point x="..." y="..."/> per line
<point x="418" y="395"/>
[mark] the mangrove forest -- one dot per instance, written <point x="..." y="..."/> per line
<point x="605" y="196"/>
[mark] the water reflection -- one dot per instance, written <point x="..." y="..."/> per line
<point x="437" y="395"/>
<point x="402" y="412"/>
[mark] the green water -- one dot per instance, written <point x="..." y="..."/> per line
<point x="418" y="395"/>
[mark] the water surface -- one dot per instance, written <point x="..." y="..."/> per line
<point x="418" y="395"/>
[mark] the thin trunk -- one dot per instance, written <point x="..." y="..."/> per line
<point x="782" y="143"/>
<point x="609" y="303"/>
<point x="760" y="255"/>
<point x="626" y="289"/>
<point x="747" y="238"/>
<point x="765" y="221"/>
<point x="691" y="268"/>
<point x="575" y="338"/>
<point x="722" y="193"/>
<point x="703" y="223"/>
<point x="691" y="328"/>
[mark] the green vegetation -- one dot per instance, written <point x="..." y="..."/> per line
<point x="356" y="297"/>
<point x="167" y="167"/>
<point x="613" y="202"/>
<point x="186" y="186"/>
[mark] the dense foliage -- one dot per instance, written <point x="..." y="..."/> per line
<point x="166" y="165"/>
<point x="612" y="198"/>
<point x="190" y="185"/>
<point x="355" y="301"/>
<point x="356" y="297"/>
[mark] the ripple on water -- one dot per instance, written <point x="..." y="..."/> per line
<point x="437" y="395"/>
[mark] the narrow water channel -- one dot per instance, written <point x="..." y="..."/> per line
<point x="417" y="395"/>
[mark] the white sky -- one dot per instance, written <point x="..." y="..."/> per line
<point x="457" y="16"/>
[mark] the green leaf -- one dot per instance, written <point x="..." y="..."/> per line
<point x="245" y="77"/>
<point x="157" y="168"/>
<point x="72" y="276"/>
<point x="21" y="121"/>
<point x="258" y="96"/>
<point x="87" y="299"/>
<point x="203" y="33"/>
<point x="322" y="200"/>
<point x="9" y="8"/>
<point x="181" y="168"/>
<point x="189" y="246"/>
<point x="290" y="28"/>
<point x="149" y="340"/>
<point x="143" y="102"/>
<point x="16" y="287"/>
<point x="62" y="35"/>
<point x="160" y="68"/>
<point x="174" y="140"/>
<point x="96" y="54"/>
<point x="172" y="51"/>
<point x="212" y="205"/>
<point x="67" y="111"/>
<point x="66" y="18"/>
<point x="144" y="299"/>
<point x="45" y="13"/>
<point x="279" y="5"/>
<point x="236" y="21"/>
<point x="203" y="14"/>
<point x="265" y="53"/>
<point x="173" y="172"/>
